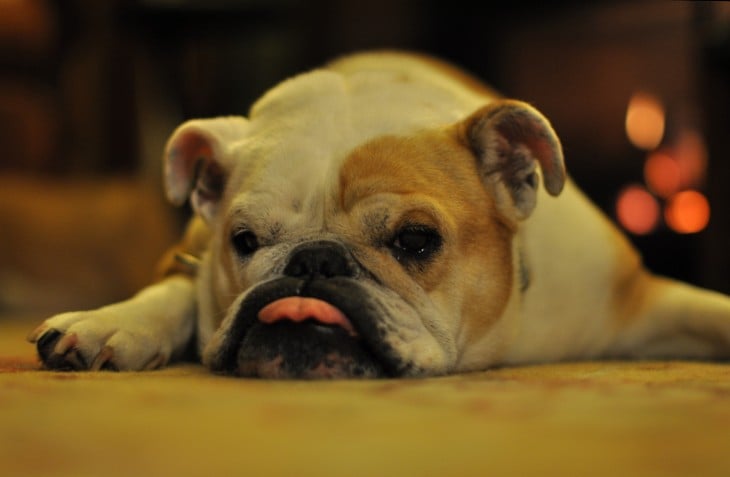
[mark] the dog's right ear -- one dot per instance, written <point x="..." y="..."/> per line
<point x="197" y="161"/>
<point x="510" y="139"/>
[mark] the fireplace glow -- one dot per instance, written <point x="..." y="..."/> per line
<point x="687" y="212"/>
<point x="645" y="121"/>
<point x="675" y="169"/>
<point x="662" y="174"/>
<point x="637" y="210"/>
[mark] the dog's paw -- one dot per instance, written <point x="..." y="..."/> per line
<point x="98" y="339"/>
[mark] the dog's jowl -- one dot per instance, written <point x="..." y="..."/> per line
<point x="385" y="216"/>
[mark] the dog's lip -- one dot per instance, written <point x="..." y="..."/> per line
<point x="328" y="290"/>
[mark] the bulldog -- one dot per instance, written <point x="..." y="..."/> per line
<point x="387" y="215"/>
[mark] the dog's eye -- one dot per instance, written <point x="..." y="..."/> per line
<point x="416" y="242"/>
<point x="244" y="242"/>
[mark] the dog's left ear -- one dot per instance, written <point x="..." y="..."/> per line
<point x="509" y="139"/>
<point x="198" y="160"/>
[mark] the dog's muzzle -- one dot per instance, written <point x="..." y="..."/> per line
<point x="316" y="321"/>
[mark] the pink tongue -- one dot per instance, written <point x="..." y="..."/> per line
<point x="296" y="308"/>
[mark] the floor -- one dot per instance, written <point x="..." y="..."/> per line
<point x="597" y="418"/>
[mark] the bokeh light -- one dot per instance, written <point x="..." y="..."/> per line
<point x="687" y="212"/>
<point x="690" y="153"/>
<point x="637" y="210"/>
<point x="645" y="121"/>
<point x="662" y="174"/>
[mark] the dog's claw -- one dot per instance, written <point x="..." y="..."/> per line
<point x="46" y="343"/>
<point x="57" y="352"/>
<point x="157" y="361"/>
<point x="102" y="359"/>
<point x="66" y="343"/>
<point x="36" y="333"/>
<point x="72" y="360"/>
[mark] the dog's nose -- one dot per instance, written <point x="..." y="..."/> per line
<point x="319" y="260"/>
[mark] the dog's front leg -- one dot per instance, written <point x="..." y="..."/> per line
<point x="675" y="320"/>
<point x="143" y="332"/>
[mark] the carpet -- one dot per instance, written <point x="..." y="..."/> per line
<point x="594" y="418"/>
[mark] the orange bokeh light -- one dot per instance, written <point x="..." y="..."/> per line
<point x="637" y="210"/>
<point x="645" y="121"/>
<point x="687" y="212"/>
<point x="691" y="156"/>
<point x="662" y="174"/>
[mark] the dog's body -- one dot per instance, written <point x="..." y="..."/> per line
<point x="384" y="217"/>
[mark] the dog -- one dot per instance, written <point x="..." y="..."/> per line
<point x="387" y="215"/>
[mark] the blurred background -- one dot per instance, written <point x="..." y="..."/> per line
<point x="638" y="91"/>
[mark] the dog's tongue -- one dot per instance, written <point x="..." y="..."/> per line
<point x="297" y="308"/>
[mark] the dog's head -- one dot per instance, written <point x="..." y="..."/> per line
<point x="362" y="224"/>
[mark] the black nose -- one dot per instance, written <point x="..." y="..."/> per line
<point x="319" y="260"/>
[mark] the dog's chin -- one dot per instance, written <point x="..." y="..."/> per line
<point x="306" y="350"/>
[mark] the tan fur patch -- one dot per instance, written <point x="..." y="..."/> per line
<point x="432" y="178"/>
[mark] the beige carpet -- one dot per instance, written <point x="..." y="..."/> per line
<point x="590" y="419"/>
